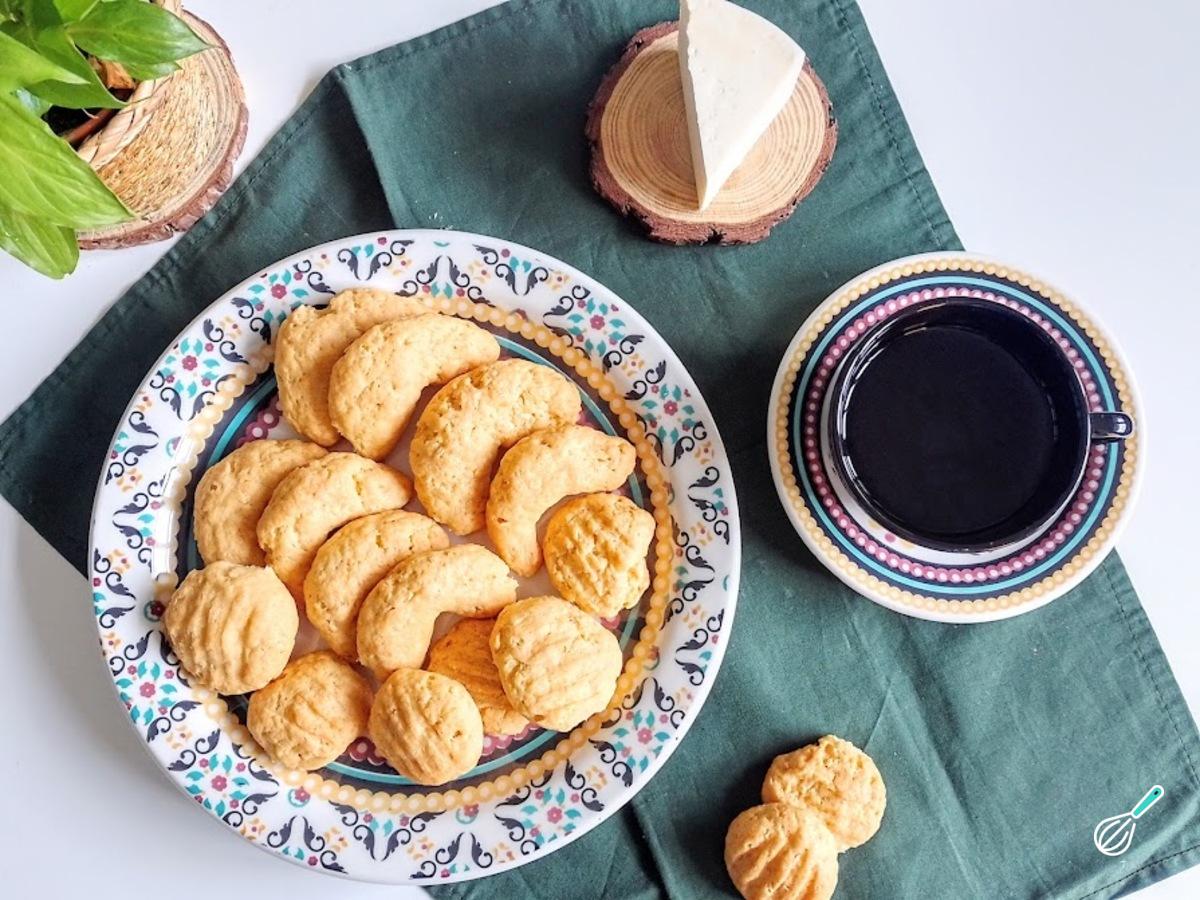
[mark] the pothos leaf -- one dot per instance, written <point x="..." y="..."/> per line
<point x="35" y="105"/>
<point x="50" y="249"/>
<point x="74" y="10"/>
<point x="133" y="31"/>
<point x="21" y="67"/>
<point x="148" y="72"/>
<point x="44" y="178"/>
<point x="91" y="93"/>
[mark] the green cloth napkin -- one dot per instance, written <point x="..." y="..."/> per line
<point x="1002" y="745"/>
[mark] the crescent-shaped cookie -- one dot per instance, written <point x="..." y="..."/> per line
<point x="395" y="624"/>
<point x="537" y="472"/>
<point x="464" y="653"/>
<point x="470" y="421"/>
<point x="309" y="343"/>
<point x="232" y="495"/>
<point x="353" y="561"/>
<point x="376" y="384"/>
<point x="317" y="498"/>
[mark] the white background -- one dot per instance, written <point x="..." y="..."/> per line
<point x="1062" y="136"/>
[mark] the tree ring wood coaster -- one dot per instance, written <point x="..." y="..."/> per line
<point x="181" y="161"/>
<point x="642" y="164"/>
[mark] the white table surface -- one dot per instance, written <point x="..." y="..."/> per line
<point x="1090" y="181"/>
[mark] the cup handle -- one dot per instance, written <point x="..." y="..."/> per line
<point x="1111" y="426"/>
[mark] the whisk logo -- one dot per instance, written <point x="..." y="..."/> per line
<point x="1113" y="835"/>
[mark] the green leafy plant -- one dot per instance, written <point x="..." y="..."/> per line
<point x="52" y="54"/>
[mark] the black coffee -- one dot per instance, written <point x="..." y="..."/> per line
<point x="961" y="424"/>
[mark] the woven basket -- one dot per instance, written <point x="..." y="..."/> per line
<point x="103" y="146"/>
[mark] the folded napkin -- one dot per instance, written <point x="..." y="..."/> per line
<point x="1002" y="745"/>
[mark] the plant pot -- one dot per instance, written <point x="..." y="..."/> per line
<point x="169" y="153"/>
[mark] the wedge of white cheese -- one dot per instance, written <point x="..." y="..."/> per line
<point x="738" y="72"/>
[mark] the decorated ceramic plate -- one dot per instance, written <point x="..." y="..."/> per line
<point x="899" y="572"/>
<point x="213" y="390"/>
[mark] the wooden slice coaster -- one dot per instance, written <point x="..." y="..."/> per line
<point x="181" y="160"/>
<point x="642" y="164"/>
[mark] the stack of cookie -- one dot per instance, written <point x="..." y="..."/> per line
<point x="818" y="801"/>
<point x="299" y="525"/>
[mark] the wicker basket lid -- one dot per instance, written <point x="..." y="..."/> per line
<point x="181" y="157"/>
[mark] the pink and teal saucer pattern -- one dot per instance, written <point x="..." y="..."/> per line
<point x="213" y="390"/>
<point x="884" y="567"/>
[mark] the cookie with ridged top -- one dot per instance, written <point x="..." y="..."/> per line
<point x="307" y="716"/>
<point x="781" y="852"/>
<point x="465" y="654"/>
<point x="426" y="726"/>
<point x="353" y="561"/>
<point x="595" y="549"/>
<point x="317" y="498"/>
<point x="537" y="472"/>
<point x="232" y="495"/>
<point x="375" y="386"/>
<point x="311" y="340"/>
<point x="467" y="425"/>
<point x="558" y="665"/>
<point x="233" y="627"/>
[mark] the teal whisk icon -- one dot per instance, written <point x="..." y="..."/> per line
<point x="1113" y="835"/>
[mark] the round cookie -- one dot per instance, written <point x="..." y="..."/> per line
<point x="837" y="781"/>
<point x="426" y="726"/>
<point x="558" y="666"/>
<point x="464" y="654"/>
<point x="537" y="472"/>
<point x="317" y="498"/>
<point x="395" y="623"/>
<point x="781" y="852"/>
<point x="307" y="716"/>
<point x="233" y="627"/>
<point x="311" y="340"/>
<point x="232" y="495"/>
<point x="353" y="561"/>
<point x="468" y="422"/>
<point x="595" y="549"/>
<point x="375" y="386"/>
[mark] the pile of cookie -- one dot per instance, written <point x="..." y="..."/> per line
<point x="818" y="801"/>
<point x="290" y="528"/>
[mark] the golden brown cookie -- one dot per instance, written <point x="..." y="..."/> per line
<point x="837" y="781"/>
<point x="595" y="549"/>
<point x="426" y="726"/>
<point x="470" y="421"/>
<point x="557" y="664"/>
<point x="537" y="472"/>
<point x="395" y="623"/>
<point x="310" y="342"/>
<point x="465" y="654"/>
<point x="232" y="495"/>
<point x="307" y="716"/>
<point x="781" y="852"/>
<point x="376" y="384"/>
<point x="233" y="627"/>
<point x="353" y="561"/>
<point x="315" y="499"/>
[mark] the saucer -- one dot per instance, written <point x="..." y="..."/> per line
<point x="902" y="575"/>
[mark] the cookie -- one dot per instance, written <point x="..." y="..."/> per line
<point x="558" y="665"/>
<point x="426" y="726"/>
<point x="395" y="624"/>
<point x="537" y="472"/>
<point x="375" y="386"/>
<point x="781" y="852"/>
<point x="468" y="423"/>
<point x="307" y="716"/>
<point x="596" y="549"/>
<point x="317" y="498"/>
<point x="310" y="342"/>
<point x="353" y="561"/>
<point x="464" y="654"/>
<point x="232" y="495"/>
<point x="837" y="781"/>
<point x="233" y="627"/>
